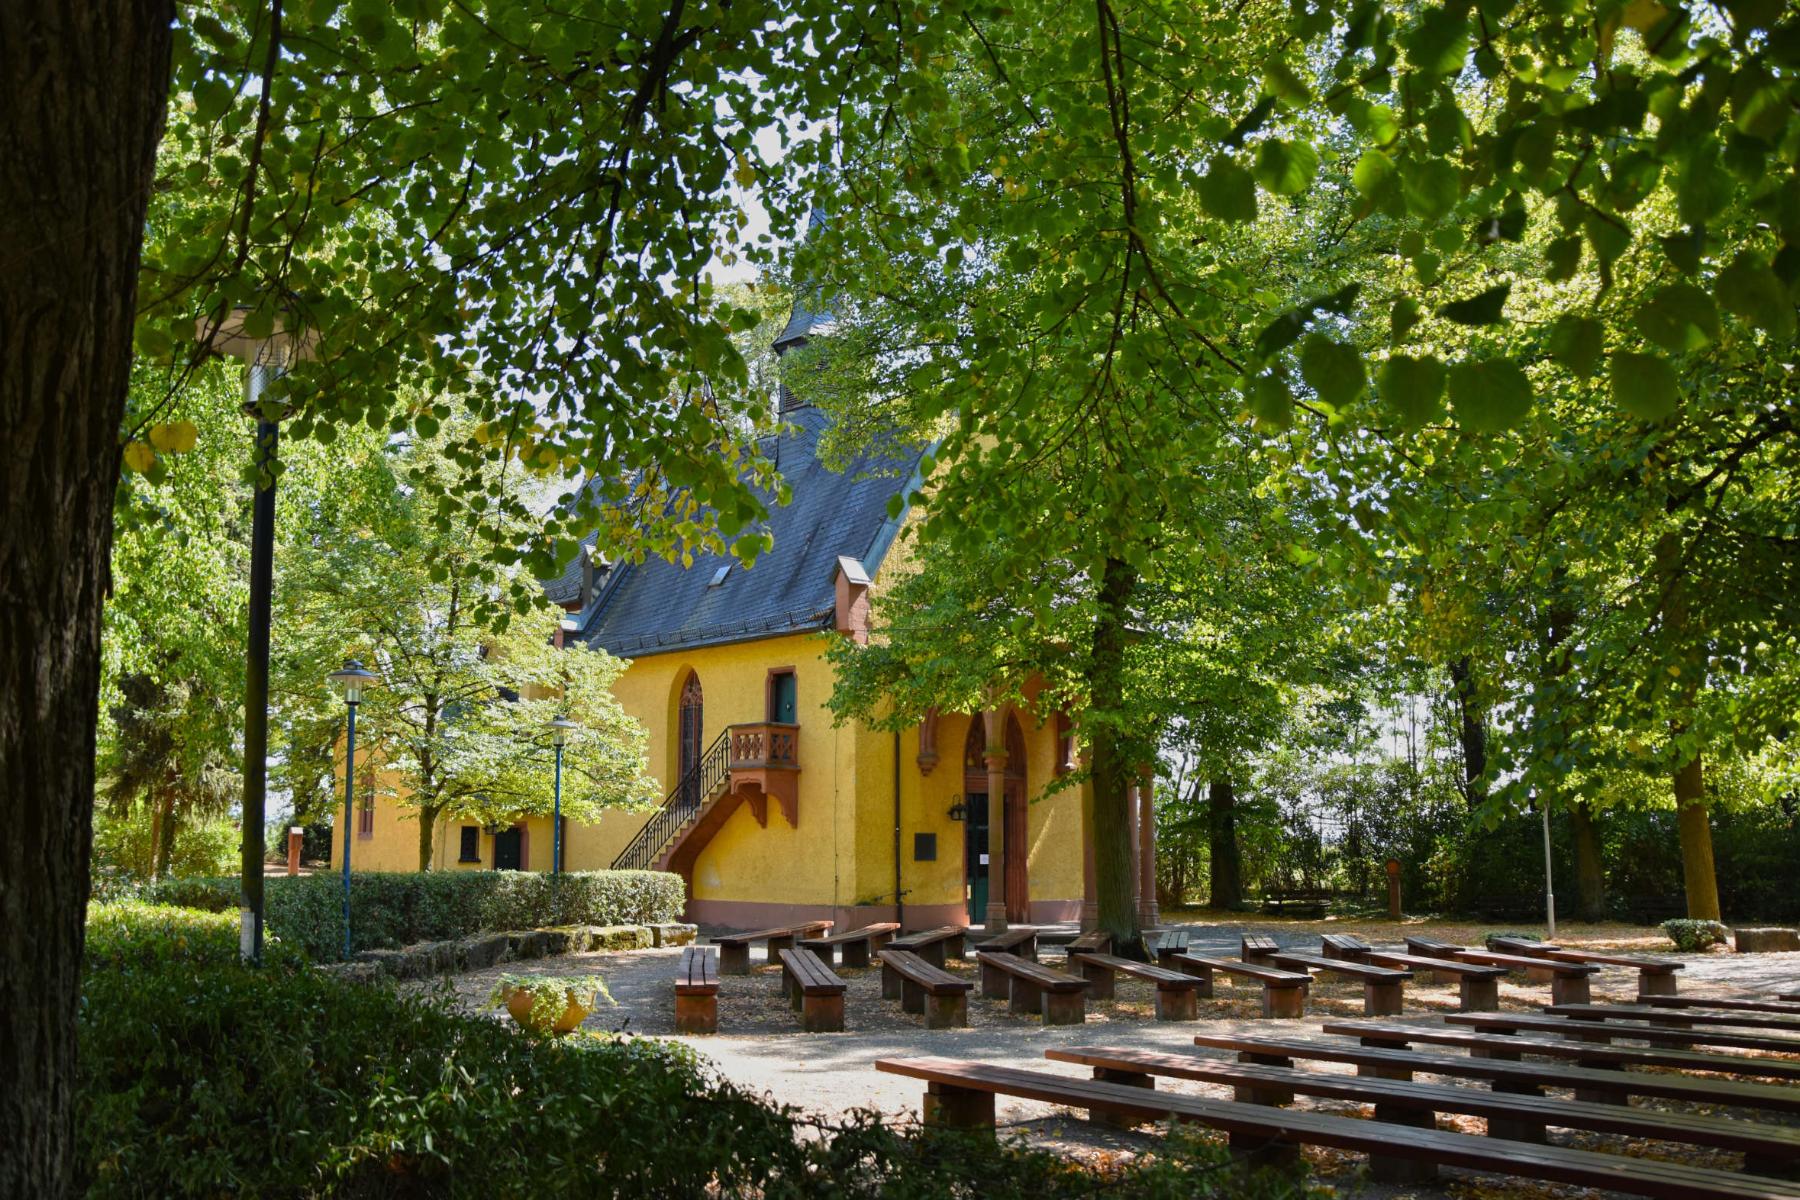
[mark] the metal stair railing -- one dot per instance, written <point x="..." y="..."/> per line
<point x="681" y="806"/>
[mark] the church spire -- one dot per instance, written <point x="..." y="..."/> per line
<point x="807" y="317"/>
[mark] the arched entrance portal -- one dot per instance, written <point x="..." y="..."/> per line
<point x="981" y="812"/>
<point x="690" y="730"/>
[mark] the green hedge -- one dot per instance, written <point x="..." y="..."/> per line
<point x="201" y="1077"/>
<point x="388" y="910"/>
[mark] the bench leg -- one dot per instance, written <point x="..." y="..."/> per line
<point x="1392" y="1168"/>
<point x="697" y="1014"/>
<point x="856" y="954"/>
<point x="933" y="954"/>
<point x="1570" y="989"/>
<point x="1112" y="1116"/>
<point x="1064" y="1008"/>
<point x="796" y="997"/>
<point x="950" y="1107"/>
<point x="1540" y="975"/>
<point x="1029" y="949"/>
<point x="948" y="1011"/>
<point x="1381" y="999"/>
<point x="1516" y="1129"/>
<point x="778" y="944"/>
<point x="1259" y="958"/>
<point x="1100" y="980"/>
<point x="1262" y="1150"/>
<point x="1479" y="994"/>
<point x="1284" y="1001"/>
<point x="954" y="947"/>
<point x="1662" y="984"/>
<point x="890" y="983"/>
<point x="1026" y="998"/>
<point x="822" y="1014"/>
<point x="1177" y="1004"/>
<point x="1203" y="974"/>
<point x="1772" y="1166"/>
<point x="1263" y="1093"/>
<point x="1602" y="1095"/>
<point x="912" y="997"/>
<point x="734" y="960"/>
<point x="995" y="983"/>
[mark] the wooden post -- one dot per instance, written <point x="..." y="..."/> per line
<point x="1479" y="993"/>
<point x="1112" y="1116"/>
<point x="1393" y="874"/>
<point x="1177" y="1004"/>
<point x="1570" y="989"/>
<point x="950" y="1107"/>
<point x="1283" y="1001"/>
<point x="1660" y="983"/>
<point x="734" y="959"/>
<point x="296" y="838"/>
<point x="1381" y="997"/>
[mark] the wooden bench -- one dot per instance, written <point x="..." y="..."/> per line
<point x="1514" y="1116"/>
<point x="697" y="991"/>
<point x="1724" y="1005"/>
<point x="1612" y="1055"/>
<point x="1791" y="997"/>
<point x="1256" y="949"/>
<point x="933" y="944"/>
<point x="1507" y="944"/>
<point x="1510" y="1075"/>
<point x="1030" y="987"/>
<point x="1656" y="977"/>
<point x="816" y="993"/>
<point x="734" y="948"/>
<point x="1283" y="992"/>
<point x="1478" y="987"/>
<point x="1683" y="1017"/>
<point x="1431" y="948"/>
<point x="1167" y="944"/>
<point x="1381" y="985"/>
<point x="1596" y="1029"/>
<point x="1346" y="946"/>
<point x="857" y="943"/>
<point x="1093" y="942"/>
<point x="1175" y="992"/>
<point x="960" y="1095"/>
<point x="940" y="997"/>
<point x="1568" y="981"/>
<point x="1298" y="902"/>
<point x="1020" y="940"/>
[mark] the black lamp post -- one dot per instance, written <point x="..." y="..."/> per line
<point x="266" y="358"/>
<point x="351" y="680"/>
<point x="559" y="737"/>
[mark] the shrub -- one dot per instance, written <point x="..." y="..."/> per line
<point x="200" y="1077"/>
<point x="388" y="910"/>
<point x="1691" y="935"/>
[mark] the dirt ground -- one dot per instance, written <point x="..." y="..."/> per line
<point x="760" y="1047"/>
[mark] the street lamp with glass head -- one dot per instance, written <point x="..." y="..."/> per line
<point x="350" y="681"/>
<point x="559" y="728"/>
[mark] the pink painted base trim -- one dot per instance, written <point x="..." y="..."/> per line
<point x="757" y="914"/>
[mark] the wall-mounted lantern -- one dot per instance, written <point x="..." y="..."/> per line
<point x="958" y="810"/>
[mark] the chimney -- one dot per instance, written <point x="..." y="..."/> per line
<point x="850" y="586"/>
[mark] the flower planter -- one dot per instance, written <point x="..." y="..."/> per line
<point x="519" y="1004"/>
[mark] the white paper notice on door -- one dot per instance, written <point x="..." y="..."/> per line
<point x="984" y="861"/>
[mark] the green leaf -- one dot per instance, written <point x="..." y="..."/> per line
<point x="1332" y="369"/>
<point x="1270" y="402"/>
<point x="1280" y="333"/>
<point x="1373" y="172"/>
<point x="1413" y="388"/>
<point x="1404" y="315"/>
<point x="1285" y="168"/>
<point x="1431" y="188"/>
<point x="1578" y="343"/>
<point x="1644" y="385"/>
<point x="1680" y="318"/>
<point x="1750" y="291"/>
<point x="1227" y="191"/>
<point x="1483" y="308"/>
<point x="1489" y="396"/>
<point x="1562" y="258"/>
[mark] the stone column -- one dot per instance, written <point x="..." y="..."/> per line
<point x="995" y="757"/>
<point x="1147" y="911"/>
<point x="1090" y="894"/>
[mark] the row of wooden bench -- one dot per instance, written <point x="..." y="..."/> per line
<point x="1403" y="1142"/>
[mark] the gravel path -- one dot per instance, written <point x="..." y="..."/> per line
<point x="761" y="1048"/>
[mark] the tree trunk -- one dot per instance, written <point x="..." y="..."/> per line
<point x="1111" y="769"/>
<point x="427" y="826"/>
<point x="1226" y="885"/>
<point x="82" y="87"/>
<point x="1695" y="820"/>
<point x="1590" y="877"/>
<point x="165" y="842"/>
<point x="1472" y="734"/>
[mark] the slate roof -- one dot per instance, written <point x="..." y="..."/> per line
<point x="657" y="607"/>
<point x="565" y="589"/>
<point x="808" y="315"/>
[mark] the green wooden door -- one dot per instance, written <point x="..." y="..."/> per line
<point x="975" y="854"/>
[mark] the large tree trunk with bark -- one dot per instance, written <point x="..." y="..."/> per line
<point x="428" y="818"/>
<point x="1226" y="887"/>
<point x="1472" y="732"/>
<point x="1111" y="768"/>
<point x="1695" y="822"/>
<point x="165" y="834"/>
<point x="82" y="89"/>
<point x="1590" y="877"/>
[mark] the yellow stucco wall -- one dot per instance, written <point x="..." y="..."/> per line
<point x="842" y="852"/>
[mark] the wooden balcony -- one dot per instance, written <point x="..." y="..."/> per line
<point x="765" y="762"/>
